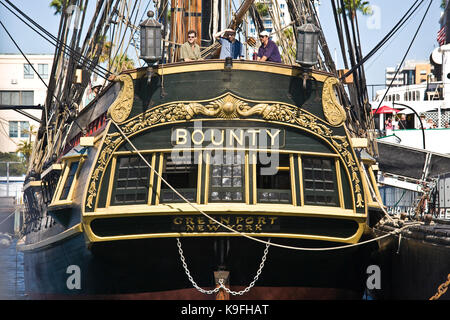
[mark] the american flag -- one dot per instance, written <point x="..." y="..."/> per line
<point x="441" y="36"/>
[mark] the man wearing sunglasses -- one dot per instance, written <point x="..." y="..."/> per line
<point x="190" y="50"/>
<point x="230" y="46"/>
<point x="268" y="50"/>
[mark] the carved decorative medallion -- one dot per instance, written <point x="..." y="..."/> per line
<point x="121" y="107"/>
<point x="227" y="106"/>
<point x="334" y="113"/>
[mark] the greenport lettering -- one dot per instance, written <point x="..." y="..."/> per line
<point x="238" y="223"/>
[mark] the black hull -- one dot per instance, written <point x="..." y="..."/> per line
<point x="414" y="267"/>
<point x="151" y="269"/>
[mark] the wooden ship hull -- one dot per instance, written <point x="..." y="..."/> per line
<point x="110" y="213"/>
<point x="414" y="262"/>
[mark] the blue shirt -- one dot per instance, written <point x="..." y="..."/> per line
<point x="229" y="49"/>
<point x="270" y="51"/>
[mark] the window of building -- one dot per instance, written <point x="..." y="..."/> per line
<point x="24" y="129"/>
<point x="19" y="129"/>
<point x="13" y="129"/>
<point x="28" y="72"/>
<point x="273" y="180"/>
<point x="227" y="178"/>
<point x="182" y="174"/>
<point x="282" y="6"/>
<point x="43" y="70"/>
<point x="17" y="97"/>
<point x="132" y="180"/>
<point x="69" y="180"/>
<point x="319" y="181"/>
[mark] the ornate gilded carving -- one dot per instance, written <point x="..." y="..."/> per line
<point x="333" y="111"/>
<point x="227" y="106"/>
<point x="121" y="107"/>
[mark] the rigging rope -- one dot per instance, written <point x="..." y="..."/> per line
<point x="99" y="70"/>
<point x="404" y="57"/>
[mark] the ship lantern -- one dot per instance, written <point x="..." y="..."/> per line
<point x="307" y="44"/>
<point x="151" y="39"/>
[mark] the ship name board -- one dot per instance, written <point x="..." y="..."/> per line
<point x="228" y="137"/>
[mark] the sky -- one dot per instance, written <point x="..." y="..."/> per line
<point x="372" y="29"/>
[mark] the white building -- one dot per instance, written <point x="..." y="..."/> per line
<point x="20" y="86"/>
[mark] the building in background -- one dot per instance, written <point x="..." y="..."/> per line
<point x="19" y="86"/>
<point x="412" y="72"/>
<point x="281" y="18"/>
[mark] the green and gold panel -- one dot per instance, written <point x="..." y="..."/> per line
<point x="239" y="122"/>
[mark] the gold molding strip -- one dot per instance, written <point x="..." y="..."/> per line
<point x="51" y="240"/>
<point x="214" y="65"/>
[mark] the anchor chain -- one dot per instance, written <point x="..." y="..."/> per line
<point x="442" y="289"/>
<point x="221" y="284"/>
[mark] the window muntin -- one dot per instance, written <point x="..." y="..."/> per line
<point x="181" y="172"/>
<point x="131" y="181"/>
<point x="227" y="177"/>
<point x="273" y="182"/>
<point x="69" y="180"/>
<point x="319" y="181"/>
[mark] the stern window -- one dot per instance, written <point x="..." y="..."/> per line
<point x="132" y="182"/>
<point x="181" y="173"/>
<point x="274" y="180"/>
<point x="227" y="177"/>
<point x="70" y="177"/>
<point x="319" y="181"/>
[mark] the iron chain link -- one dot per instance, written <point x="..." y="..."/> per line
<point x="221" y="284"/>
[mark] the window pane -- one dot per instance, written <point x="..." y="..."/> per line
<point x="227" y="176"/>
<point x="319" y="181"/>
<point x="69" y="180"/>
<point x="5" y="97"/>
<point x="181" y="172"/>
<point x="273" y="180"/>
<point x="28" y="71"/>
<point x="15" y="98"/>
<point x="27" y="98"/>
<point x="43" y="70"/>
<point x="14" y="129"/>
<point x="131" y="180"/>
<point x="24" y="129"/>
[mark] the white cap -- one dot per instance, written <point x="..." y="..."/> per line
<point x="264" y="33"/>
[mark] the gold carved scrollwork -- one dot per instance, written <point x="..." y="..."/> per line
<point x="121" y="107"/>
<point x="229" y="106"/>
<point x="333" y="111"/>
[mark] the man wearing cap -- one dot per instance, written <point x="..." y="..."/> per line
<point x="268" y="50"/>
<point x="230" y="46"/>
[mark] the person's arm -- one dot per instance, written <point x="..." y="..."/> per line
<point x="219" y="35"/>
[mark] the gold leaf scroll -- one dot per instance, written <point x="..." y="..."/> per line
<point x="120" y="109"/>
<point x="333" y="111"/>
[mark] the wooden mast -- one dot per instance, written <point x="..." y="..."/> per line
<point x="185" y="15"/>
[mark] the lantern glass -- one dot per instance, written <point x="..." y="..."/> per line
<point x="307" y="44"/>
<point x="151" y="40"/>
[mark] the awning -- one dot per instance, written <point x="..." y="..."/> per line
<point x="410" y="162"/>
<point x="385" y="109"/>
